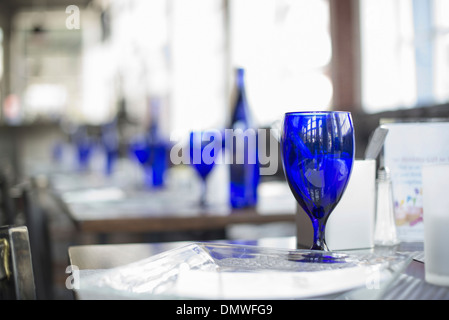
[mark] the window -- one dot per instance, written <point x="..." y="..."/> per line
<point x="198" y="65"/>
<point x="138" y="55"/>
<point x="404" y="53"/>
<point x="285" y="46"/>
<point x="441" y="43"/>
<point x="44" y="66"/>
<point x="180" y="53"/>
<point x="185" y="52"/>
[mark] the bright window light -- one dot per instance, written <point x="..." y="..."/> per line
<point x="45" y="99"/>
<point x="286" y="48"/>
<point x="405" y="48"/>
<point x="388" y="69"/>
<point x="198" y="65"/>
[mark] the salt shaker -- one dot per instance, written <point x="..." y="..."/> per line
<point x="385" y="227"/>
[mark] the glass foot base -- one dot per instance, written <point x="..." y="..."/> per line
<point x="318" y="257"/>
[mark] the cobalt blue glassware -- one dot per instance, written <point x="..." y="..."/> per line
<point x="152" y="155"/>
<point x="244" y="175"/>
<point x="159" y="162"/>
<point x="157" y="144"/>
<point x="203" y="151"/>
<point x="140" y="150"/>
<point x="84" y="146"/>
<point x="110" y="142"/>
<point x="57" y="152"/>
<point x="318" y="155"/>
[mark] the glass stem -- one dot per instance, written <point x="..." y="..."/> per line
<point x="319" y="243"/>
<point x="203" y="193"/>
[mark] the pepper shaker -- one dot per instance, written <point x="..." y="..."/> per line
<point x="385" y="226"/>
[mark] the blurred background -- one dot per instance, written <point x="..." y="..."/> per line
<point x="71" y="68"/>
<point x="66" y="63"/>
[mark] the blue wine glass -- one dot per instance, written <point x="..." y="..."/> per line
<point x="110" y="141"/>
<point x="203" y="151"/>
<point x="140" y="149"/>
<point x="318" y="155"/>
<point x="84" y="145"/>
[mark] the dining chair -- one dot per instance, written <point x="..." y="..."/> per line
<point x="34" y="217"/>
<point x="7" y="214"/>
<point x="16" y="270"/>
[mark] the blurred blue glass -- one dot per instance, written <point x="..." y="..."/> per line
<point x="140" y="150"/>
<point x="57" y="152"/>
<point x="110" y="141"/>
<point x="158" y="155"/>
<point x="203" y="151"/>
<point x="152" y="156"/>
<point x="157" y="145"/>
<point x="318" y="154"/>
<point x="84" y="145"/>
<point x="245" y="178"/>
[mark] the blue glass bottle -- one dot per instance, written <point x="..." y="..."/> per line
<point x="157" y="145"/>
<point x="244" y="175"/>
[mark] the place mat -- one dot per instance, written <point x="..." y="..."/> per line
<point x="224" y="271"/>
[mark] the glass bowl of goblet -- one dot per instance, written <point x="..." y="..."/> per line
<point x="318" y="155"/>
<point x="204" y="147"/>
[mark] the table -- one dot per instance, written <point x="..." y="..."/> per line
<point x="410" y="285"/>
<point x="109" y="209"/>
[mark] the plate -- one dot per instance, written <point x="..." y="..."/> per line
<point x="228" y="271"/>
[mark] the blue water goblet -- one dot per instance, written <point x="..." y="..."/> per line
<point x="204" y="147"/>
<point x="140" y="150"/>
<point x="318" y="155"/>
